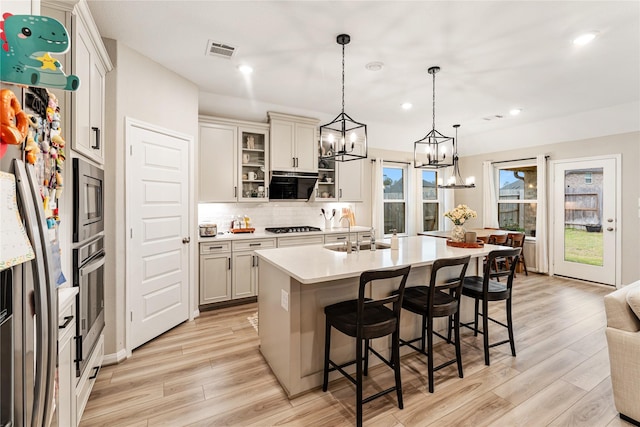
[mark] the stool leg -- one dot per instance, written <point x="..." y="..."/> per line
<point x="327" y="345"/>
<point x="395" y="342"/>
<point x="456" y="326"/>
<point x="424" y="327"/>
<point x="366" y="357"/>
<point x="359" y="381"/>
<point x="510" y="328"/>
<point x="485" y="330"/>
<point x="430" y="352"/>
<point x="475" y="326"/>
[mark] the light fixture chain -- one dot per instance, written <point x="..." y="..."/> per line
<point x="343" y="79"/>
<point x="434" y="103"/>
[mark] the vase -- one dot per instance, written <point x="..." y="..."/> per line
<point x="457" y="234"/>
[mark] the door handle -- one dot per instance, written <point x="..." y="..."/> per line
<point x="609" y="219"/>
<point x="609" y="228"/>
<point x="96" y="146"/>
<point x="186" y="240"/>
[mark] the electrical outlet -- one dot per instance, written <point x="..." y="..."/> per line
<point x="284" y="299"/>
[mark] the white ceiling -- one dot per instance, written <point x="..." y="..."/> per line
<point x="494" y="55"/>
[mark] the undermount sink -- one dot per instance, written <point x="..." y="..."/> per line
<point x="340" y="247"/>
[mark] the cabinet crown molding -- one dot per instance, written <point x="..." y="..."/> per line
<point x="232" y="122"/>
<point x="290" y="117"/>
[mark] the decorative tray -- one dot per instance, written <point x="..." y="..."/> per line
<point x="242" y="230"/>
<point x="476" y="244"/>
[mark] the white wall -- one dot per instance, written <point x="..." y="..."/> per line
<point x="141" y="89"/>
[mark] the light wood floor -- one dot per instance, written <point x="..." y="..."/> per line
<point x="210" y="372"/>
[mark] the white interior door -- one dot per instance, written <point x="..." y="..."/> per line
<point x="585" y="220"/>
<point x="158" y="250"/>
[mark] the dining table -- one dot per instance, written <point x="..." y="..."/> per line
<point x="481" y="233"/>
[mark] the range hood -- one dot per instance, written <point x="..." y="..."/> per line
<point x="289" y="186"/>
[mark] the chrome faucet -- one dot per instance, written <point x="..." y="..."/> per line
<point x="348" y="242"/>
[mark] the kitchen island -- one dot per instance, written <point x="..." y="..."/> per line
<point x="295" y="284"/>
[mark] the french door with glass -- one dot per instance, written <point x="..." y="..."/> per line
<point x="585" y="219"/>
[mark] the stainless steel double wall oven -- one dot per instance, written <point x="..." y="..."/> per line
<point x="88" y="257"/>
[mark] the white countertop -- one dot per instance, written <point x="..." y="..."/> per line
<point x="66" y="297"/>
<point x="314" y="264"/>
<point x="260" y="233"/>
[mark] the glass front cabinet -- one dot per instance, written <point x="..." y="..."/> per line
<point x="253" y="167"/>
<point x="327" y="176"/>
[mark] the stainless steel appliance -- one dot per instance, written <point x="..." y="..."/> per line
<point x="31" y="344"/>
<point x="88" y="271"/>
<point x="292" y="185"/>
<point x="6" y="348"/>
<point x="295" y="229"/>
<point x="88" y="209"/>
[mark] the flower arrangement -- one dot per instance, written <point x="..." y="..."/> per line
<point x="460" y="214"/>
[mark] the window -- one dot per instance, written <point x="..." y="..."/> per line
<point x="518" y="198"/>
<point x="588" y="178"/>
<point x="430" y="202"/>
<point x="395" y="199"/>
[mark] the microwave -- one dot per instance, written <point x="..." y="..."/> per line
<point x="88" y="200"/>
<point x="286" y="185"/>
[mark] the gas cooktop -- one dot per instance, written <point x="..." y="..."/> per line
<point x="296" y="229"/>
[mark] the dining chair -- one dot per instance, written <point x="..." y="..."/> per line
<point x="516" y="240"/>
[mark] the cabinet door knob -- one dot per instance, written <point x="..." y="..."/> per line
<point x="186" y="240"/>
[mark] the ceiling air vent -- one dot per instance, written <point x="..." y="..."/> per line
<point x="220" y="49"/>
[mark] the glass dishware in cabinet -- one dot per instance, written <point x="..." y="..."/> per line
<point x="254" y="171"/>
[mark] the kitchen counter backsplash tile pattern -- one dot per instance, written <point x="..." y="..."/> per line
<point x="273" y="214"/>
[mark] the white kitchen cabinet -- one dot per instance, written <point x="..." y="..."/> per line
<point x="316" y="239"/>
<point x="293" y="143"/>
<point x="88" y="378"/>
<point x="215" y="272"/>
<point x="66" y="407"/>
<point x="217" y="176"/>
<point x="90" y="62"/>
<point x="350" y="180"/>
<point x="245" y="266"/>
<point x="233" y="160"/>
<point x="253" y="163"/>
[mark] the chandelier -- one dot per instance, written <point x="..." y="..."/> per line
<point x="343" y="139"/>
<point x="435" y="150"/>
<point x="455" y="180"/>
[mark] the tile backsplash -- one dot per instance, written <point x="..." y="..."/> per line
<point x="274" y="214"/>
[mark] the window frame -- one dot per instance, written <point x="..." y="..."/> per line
<point x="405" y="174"/>
<point x="507" y="166"/>
<point x="437" y="200"/>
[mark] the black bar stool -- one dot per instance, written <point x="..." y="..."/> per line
<point x="366" y="319"/>
<point x="486" y="289"/>
<point x="437" y="300"/>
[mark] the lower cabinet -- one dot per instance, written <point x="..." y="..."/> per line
<point x="88" y="378"/>
<point x="66" y="412"/>
<point x="316" y="239"/>
<point x="229" y="270"/>
<point x="245" y="266"/>
<point x="215" y="272"/>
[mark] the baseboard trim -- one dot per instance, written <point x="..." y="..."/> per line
<point x="114" y="358"/>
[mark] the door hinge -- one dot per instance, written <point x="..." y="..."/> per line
<point x="131" y="233"/>
<point x="131" y="150"/>
<point x="131" y="315"/>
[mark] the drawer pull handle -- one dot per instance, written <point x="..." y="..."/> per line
<point x="67" y="320"/>
<point x="340" y="238"/>
<point x="255" y="244"/>
<point x="96" y="369"/>
<point x="215" y="247"/>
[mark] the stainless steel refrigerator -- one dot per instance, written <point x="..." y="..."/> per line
<point x="30" y="363"/>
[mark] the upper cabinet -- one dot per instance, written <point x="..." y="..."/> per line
<point x="350" y="180"/>
<point x="293" y="143"/>
<point x="90" y="63"/>
<point x="233" y="161"/>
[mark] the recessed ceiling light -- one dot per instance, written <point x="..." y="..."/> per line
<point x="245" y="69"/>
<point x="515" y="111"/>
<point x="374" y="66"/>
<point x="585" y="38"/>
<point x="407" y="106"/>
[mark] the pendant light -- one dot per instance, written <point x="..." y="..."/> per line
<point x="455" y="180"/>
<point x="435" y="150"/>
<point x="343" y="139"/>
